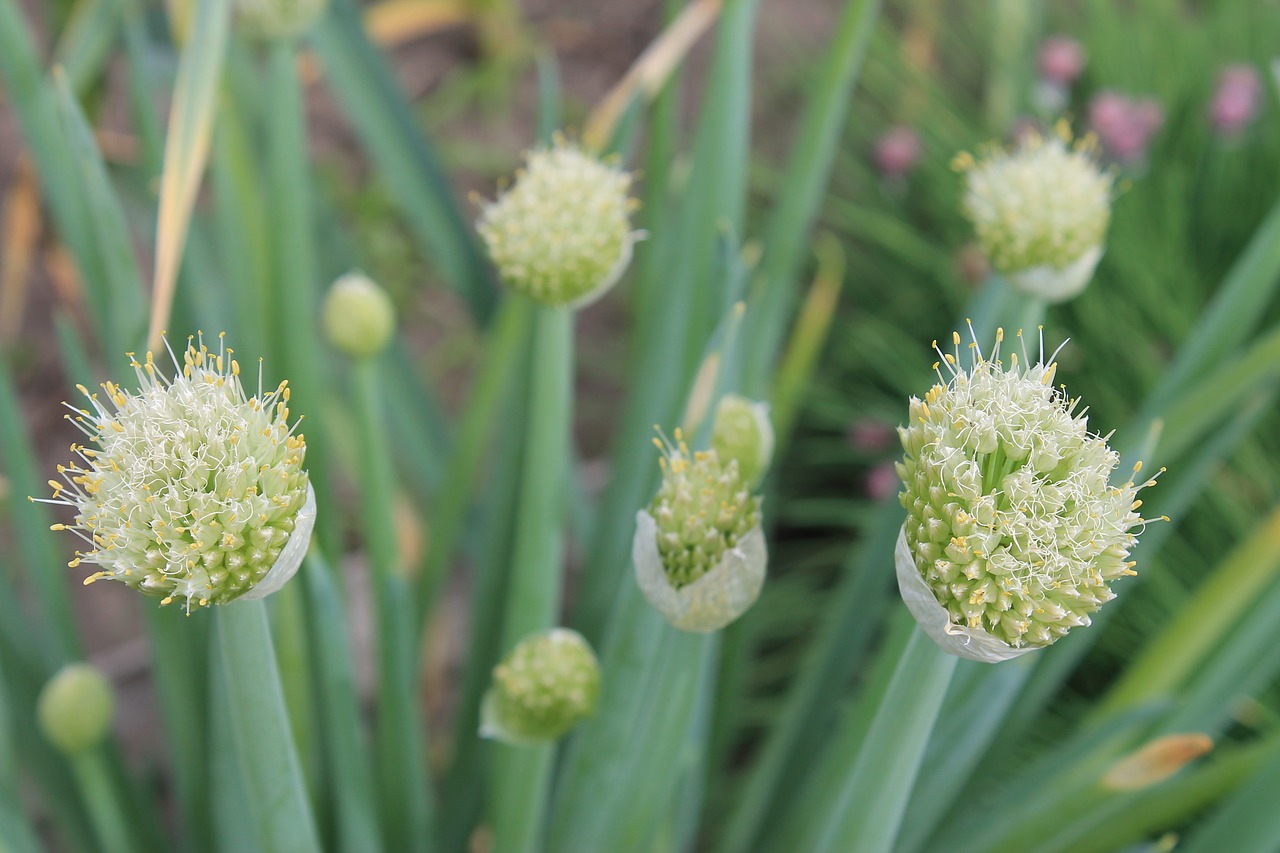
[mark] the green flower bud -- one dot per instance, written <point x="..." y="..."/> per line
<point x="1040" y="211"/>
<point x="75" y="708"/>
<point x="188" y="489"/>
<point x="359" y="318"/>
<point x="699" y="550"/>
<point x="1014" y="532"/>
<point x="743" y="433"/>
<point x="544" y="686"/>
<point x="272" y="20"/>
<point x="561" y="234"/>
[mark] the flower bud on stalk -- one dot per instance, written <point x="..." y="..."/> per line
<point x="743" y="432"/>
<point x="1014" y="532"/>
<point x="545" y="686"/>
<point x="699" y="550"/>
<point x="1040" y="212"/>
<point x="561" y="234"/>
<point x="188" y="489"/>
<point x="359" y="318"/>
<point x="75" y="708"/>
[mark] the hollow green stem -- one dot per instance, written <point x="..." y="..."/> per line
<point x="404" y="792"/>
<point x="261" y="739"/>
<point x="522" y="774"/>
<point x="94" y="778"/>
<point x="867" y="810"/>
<point x="510" y="330"/>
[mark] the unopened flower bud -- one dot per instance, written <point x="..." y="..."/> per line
<point x="272" y="20"/>
<point x="699" y="550"/>
<point x="545" y="686"/>
<point x="189" y="490"/>
<point x="359" y="318"/>
<point x="561" y="234"/>
<point x="744" y="433"/>
<point x="1040" y="212"/>
<point x="76" y="708"/>
<point x="1014" y="531"/>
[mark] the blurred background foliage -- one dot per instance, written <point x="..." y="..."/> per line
<point x="401" y="108"/>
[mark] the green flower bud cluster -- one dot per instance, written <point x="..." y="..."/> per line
<point x="1013" y="523"/>
<point x="1040" y="212"/>
<point x="742" y="432"/>
<point x="359" y="318"/>
<point x="546" y="685"/>
<point x="75" y="708"/>
<point x="188" y="489"/>
<point x="272" y="20"/>
<point x="561" y="234"/>
<point x="699" y="551"/>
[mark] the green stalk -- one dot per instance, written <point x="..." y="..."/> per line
<point x="522" y="774"/>
<point x="14" y="825"/>
<point x="1202" y="623"/>
<point x="100" y="795"/>
<point x="492" y="568"/>
<point x="350" y="776"/>
<point x="296" y="297"/>
<point x="805" y="186"/>
<point x="261" y="740"/>
<point x="403" y="790"/>
<point x="867" y="812"/>
<point x="502" y="352"/>
<point x="378" y="111"/>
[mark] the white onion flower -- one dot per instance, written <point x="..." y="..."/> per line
<point x="1014" y="531"/>
<point x="188" y="490"/>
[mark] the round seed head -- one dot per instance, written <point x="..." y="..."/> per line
<point x="75" y="708"/>
<point x="359" y="318"/>
<point x="699" y="550"/>
<point x="187" y="489"/>
<point x="1012" y="524"/>
<point x="543" y="687"/>
<point x="744" y="434"/>
<point x="561" y="234"/>
<point x="1040" y="212"/>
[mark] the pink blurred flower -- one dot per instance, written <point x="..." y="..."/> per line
<point x="1237" y="99"/>
<point x="871" y="435"/>
<point x="897" y="151"/>
<point x="1062" y="60"/>
<point x="1124" y="125"/>
<point x="882" y="481"/>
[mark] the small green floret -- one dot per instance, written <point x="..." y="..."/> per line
<point x="546" y="685"/>
<point x="703" y="509"/>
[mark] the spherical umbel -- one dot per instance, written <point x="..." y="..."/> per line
<point x="75" y="708"/>
<point x="544" y="686"/>
<point x="359" y="319"/>
<point x="562" y="233"/>
<point x="1040" y="212"/>
<point x="699" y="550"/>
<point x="1013" y="525"/>
<point x="188" y="490"/>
